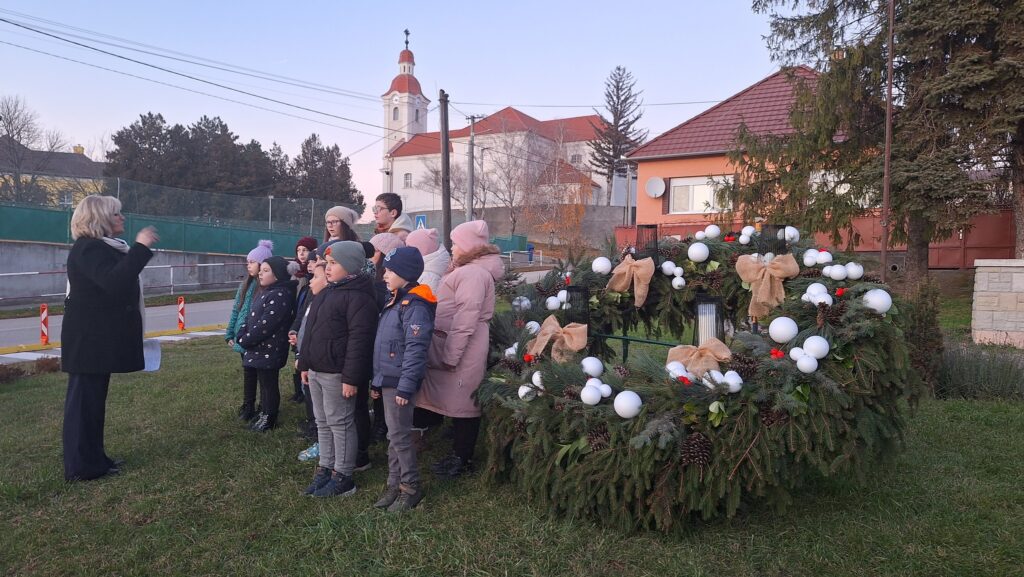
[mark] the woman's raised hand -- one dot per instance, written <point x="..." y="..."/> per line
<point x="147" y="237"/>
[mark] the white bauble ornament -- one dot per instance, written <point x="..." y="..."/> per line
<point x="527" y="393"/>
<point x="811" y="258"/>
<point x="768" y="257"/>
<point x="805" y="297"/>
<point x="824" y="257"/>
<point x="590" y="395"/>
<point x="744" y="239"/>
<point x="510" y="353"/>
<point x="627" y="404"/>
<point x="675" y="368"/>
<point x="792" y="234"/>
<point x="593" y="382"/>
<point x="566" y="306"/>
<point x="713" y="378"/>
<point x="533" y="327"/>
<point x="854" y="271"/>
<point x="606" y="390"/>
<point x="592" y="366"/>
<point x="783" y="330"/>
<point x="712" y="231"/>
<point x="807" y="364"/>
<point x="552" y="303"/>
<point x="678" y="282"/>
<point x="700" y="235"/>
<point x="796" y="352"/>
<point x="816" y="347"/>
<point x="816" y="288"/>
<point x="537" y="379"/>
<point x="698" y="252"/>
<point x="563" y="296"/>
<point x="827" y="271"/>
<point x="678" y="271"/>
<point x="668" y="268"/>
<point x="878" y="300"/>
<point x="838" y="272"/>
<point x="781" y="234"/>
<point x="601" y="265"/>
<point x="748" y="231"/>
<point x="822" y="298"/>
<point x="734" y="380"/>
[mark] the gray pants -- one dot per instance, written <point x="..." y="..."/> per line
<point x="402" y="464"/>
<point x="335" y="422"/>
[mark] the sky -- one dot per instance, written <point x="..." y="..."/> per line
<point x="485" y="55"/>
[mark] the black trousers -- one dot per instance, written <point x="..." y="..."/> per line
<point x="270" y="392"/>
<point x="85" y="410"/>
<point x="467" y="429"/>
<point x="249" y="387"/>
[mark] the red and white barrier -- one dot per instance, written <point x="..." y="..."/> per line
<point x="44" y="325"/>
<point x="181" y="313"/>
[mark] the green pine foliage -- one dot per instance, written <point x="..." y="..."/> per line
<point x="698" y="452"/>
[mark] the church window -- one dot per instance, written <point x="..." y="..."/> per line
<point x="394" y="113"/>
<point x="407" y="180"/>
<point x="417" y="115"/>
<point x="576" y="159"/>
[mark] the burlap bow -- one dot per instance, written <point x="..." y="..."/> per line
<point x="636" y="273"/>
<point x="766" y="281"/>
<point x="565" y="341"/>
<point x="699" y="360"/>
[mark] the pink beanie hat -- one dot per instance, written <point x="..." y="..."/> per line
<point x="471" y="235"/>
<point x="425" y="240"/>
<point x="386" y="242"/>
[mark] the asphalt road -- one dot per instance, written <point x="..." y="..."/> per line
<point x="15" y="332"/>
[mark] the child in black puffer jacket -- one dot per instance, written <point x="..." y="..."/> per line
<point x="264" y="336"/>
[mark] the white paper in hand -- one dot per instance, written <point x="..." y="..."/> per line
<point x="151" y="352"/>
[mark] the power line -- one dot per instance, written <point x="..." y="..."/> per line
<point x="585" y="105"/>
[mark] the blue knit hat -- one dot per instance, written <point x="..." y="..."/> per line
<point x="406" y="262"/>
<point x="263" y="251"/>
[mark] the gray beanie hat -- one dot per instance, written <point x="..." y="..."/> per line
<point x="349" y="254"/>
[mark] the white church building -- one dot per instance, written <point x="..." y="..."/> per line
<point x="515" y="155"/>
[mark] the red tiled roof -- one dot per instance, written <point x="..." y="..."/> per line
<point x="561" y="172"/>
<point x="576" y="129"/>
<point x="425" y="143"/>
<point x="405" y="83"/>
<point x="406" y="56"/>
<point x="764" y="107"/>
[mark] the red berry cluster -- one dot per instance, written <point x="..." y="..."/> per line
<point x="778" y="354"/>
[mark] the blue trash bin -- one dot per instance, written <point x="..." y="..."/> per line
<point x="529" y="253"/>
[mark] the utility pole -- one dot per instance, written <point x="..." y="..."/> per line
<point x="888" y="146"/>
<point x="446" y="175"/>
<point x="471" y="190"/>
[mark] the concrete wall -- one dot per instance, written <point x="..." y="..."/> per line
<point x="188" y="270"/>
<point x="998" y="310"/>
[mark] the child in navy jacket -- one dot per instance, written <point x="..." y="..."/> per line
<point x="399" y="365"/>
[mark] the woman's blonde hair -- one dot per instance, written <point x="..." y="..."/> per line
<point x="94" y="216"/>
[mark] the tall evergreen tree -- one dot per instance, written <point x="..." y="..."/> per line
<point x="831" y="169"/>
<point x="322" y="172"/>
<point x="618" y="133"/>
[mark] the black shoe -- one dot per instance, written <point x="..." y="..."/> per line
<point x="444" y="464"/>
<point x="455" y="468"/>
<point x="264" y="423"/>
<point x="363" y="461"/>
<point x="339" y="486"/>
<point x="409" y="496"/>
<point x="390" y="496"/>
<point x="298" y="398"/>
<point x="246" y="412"/>
<point x="379" y="433"/>
<point x="320" y="478"/>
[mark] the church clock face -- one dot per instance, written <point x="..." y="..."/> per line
<point x="395" y="99"/>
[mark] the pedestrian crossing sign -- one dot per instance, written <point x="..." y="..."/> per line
<point x="421" y="221"/>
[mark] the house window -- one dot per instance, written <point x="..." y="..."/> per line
<point x="394" y="113"/>
<point x="417" y="115"/>
<point x="693" y="195"/>
<point x="407" y="180"/>
<point x="576" y="159"/>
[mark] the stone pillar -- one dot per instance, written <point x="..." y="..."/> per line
<point x="997" y="314"/>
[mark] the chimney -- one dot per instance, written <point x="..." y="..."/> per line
<point x="78" y="149"/>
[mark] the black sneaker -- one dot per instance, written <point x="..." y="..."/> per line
<point x="389" y="497"/>
<point x="339" y="486"/>
<point x="455" y="468"/>
<point x="320" y="478"/>
<point x="298" y="398"/>
<point x="363" y="462"/>
<point x="246" y="412"/>
<point x="264" y="423"/>
<point x="409" y="496"/>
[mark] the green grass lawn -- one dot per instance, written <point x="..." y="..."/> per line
<point x="202" y="496"/>
<point x="955" y="313"/>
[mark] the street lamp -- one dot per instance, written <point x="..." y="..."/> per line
<point x="627" y="216"/>
<point x="270" y="212"/>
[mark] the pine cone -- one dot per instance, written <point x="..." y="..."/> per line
<point x="598" y="437"/>
<point x="519" y="425"/>
<point x="511" y="364"/>
<point x="835" y="313"/>
<point x="695" y="450"/>
<point x="571" y="392"/>
<point x="811" y="273"/>
<point x="622" y="371"/>
<point x="872" y="278"/>
<point x="771" y="417"/>
<point x="745" y="365"/>
<point x="733" y="260"/>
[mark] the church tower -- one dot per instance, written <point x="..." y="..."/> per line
<point x="405" y="107"/>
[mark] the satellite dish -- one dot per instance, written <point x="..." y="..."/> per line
<point x="655" y="187"/>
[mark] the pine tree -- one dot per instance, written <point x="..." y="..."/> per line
<point x="617" y="133"/>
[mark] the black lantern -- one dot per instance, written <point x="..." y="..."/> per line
<point x="772" y="239"/>
<point x="577" y="305"/>
<point x="710" y="315"/>
<point x="646" y="242"/>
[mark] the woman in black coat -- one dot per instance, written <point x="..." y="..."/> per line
<point x="102" y="329"/>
